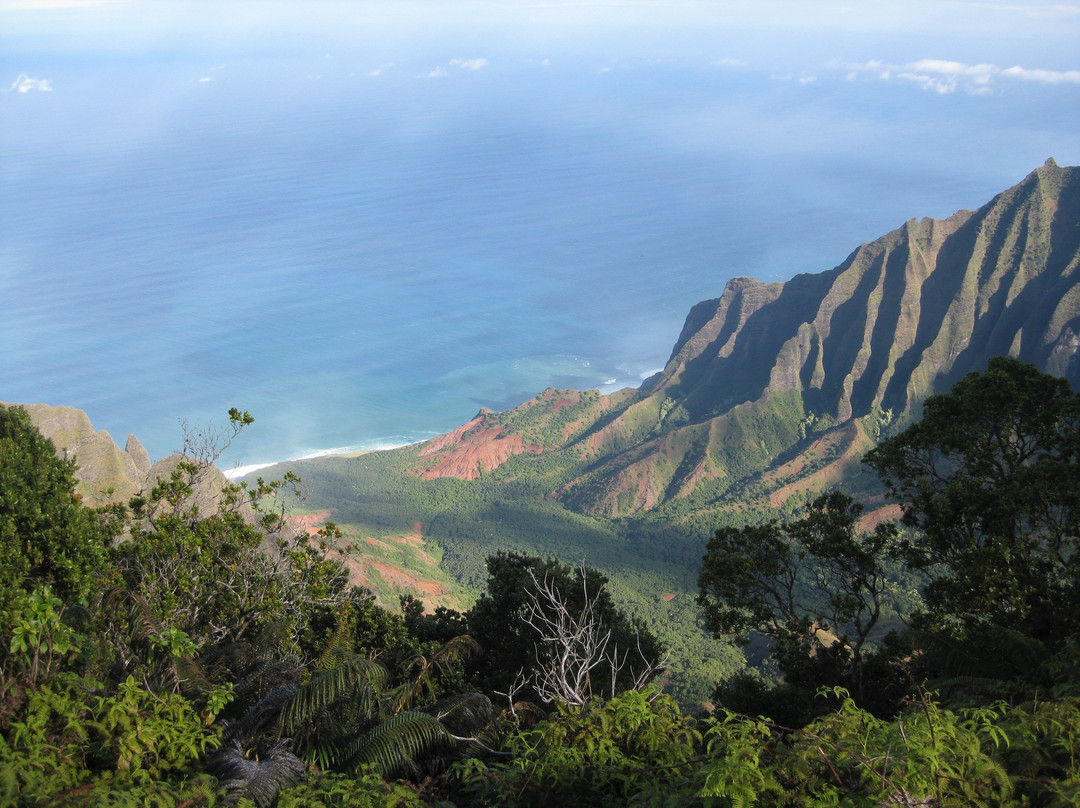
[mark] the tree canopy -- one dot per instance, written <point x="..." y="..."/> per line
<point x="989" y="478"/>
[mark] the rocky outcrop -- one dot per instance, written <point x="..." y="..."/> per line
<point x="139" y="455"/>
<point x="105" y="473"/>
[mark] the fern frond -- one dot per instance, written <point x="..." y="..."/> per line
<point x="457" y="649"/>
<point x="398" y="745"/>
<point x="464" y="713"/>
<point x="265" y="677"/>
<point x="338" y="647"/>
<point x="143" y="624"/>
<point x="187" y="674"/>
<point x="260" y="717"/>
<point x="191" y="675"/>
<point x="359" y="678"/>
<point x="259" y="780"/>
<point x="426" y="670"/>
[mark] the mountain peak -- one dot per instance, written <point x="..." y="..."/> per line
<point x="771" y="370"/>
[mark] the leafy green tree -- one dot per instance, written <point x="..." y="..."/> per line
<point x="634" y="749"/>
<point x="816" y="586"/>
<point x="47" y="537"/>
<point x="206" y="566"/>
<point x="990" y="478"/>
<point x="54" y="560"/>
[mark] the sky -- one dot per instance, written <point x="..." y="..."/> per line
<point x="941" y="46"/>
<point x="130" y="25"/>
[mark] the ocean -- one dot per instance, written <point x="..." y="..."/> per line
<point x="363" y="253"/>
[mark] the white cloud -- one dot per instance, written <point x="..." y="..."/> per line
<point x="206" y="79"/>
<point x="440" y="72"/>
<point x="469" y="64"/>
<point x="945" y="76"/>
<point x="1043" y="76"/>
<point x="24" y="84"/>
<point x="731" y="63"/>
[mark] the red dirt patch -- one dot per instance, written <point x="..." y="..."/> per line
<point x="357" y="573"/>
<point x="667" y="597"/>
<point x="414" y="539"/>
<point x="399" y="579"/>
<point x="851" y="438"/>
<point x="304" y="521"/>
<point x="472" y="453"/>
<point x="872" y="519"/>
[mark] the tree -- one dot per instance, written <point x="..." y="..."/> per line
<point x="523" y="624"/>
<point x="816" y="586"/>
<point x="576" y="646"/>
<point x="990" y="479"/>
<point x="53" y="554"/>
<point x="47" y="537"/>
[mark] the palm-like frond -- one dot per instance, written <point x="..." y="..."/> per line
<point x="424" y="671"/>
<point x="359" y="679"/>
<point x="456" y="649"/>
<point x="464" y="713"/>
<point x="258" y="779"/>
<point x="338" y="647"/>
<point x="472" y="719"/>
<point x="260" y="717"/>
<point x="254" y="676"/>
<point x="399" y="745"/>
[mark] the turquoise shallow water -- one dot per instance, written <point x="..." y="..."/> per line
<point x="368" y="260"/>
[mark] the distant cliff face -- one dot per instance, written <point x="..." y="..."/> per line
<point x="106" y="473"/>
<point x="902" y="317"/>
<point x="781" y="370"/>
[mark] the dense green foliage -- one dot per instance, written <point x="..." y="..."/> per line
<point x="990" y="477"/>
<point x="48" y="541"/>
<point x="163" y="653"/>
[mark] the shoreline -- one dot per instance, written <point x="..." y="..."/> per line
<point x="238" y="472"/>
<point x="606" y="387"/>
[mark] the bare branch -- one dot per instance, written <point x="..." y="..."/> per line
<point x="576" y="642"/>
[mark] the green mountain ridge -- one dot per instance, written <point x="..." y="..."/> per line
<point x="758" y="371"/>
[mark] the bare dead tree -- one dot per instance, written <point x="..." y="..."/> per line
<point x="577" y="642"/>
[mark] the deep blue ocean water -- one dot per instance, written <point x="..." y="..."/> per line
<point x="365" y="260"/>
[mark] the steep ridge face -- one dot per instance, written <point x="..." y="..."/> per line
<point x="105" y="473"/>
<point x="902" y="316"/>
<point x="765" y="370"/>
